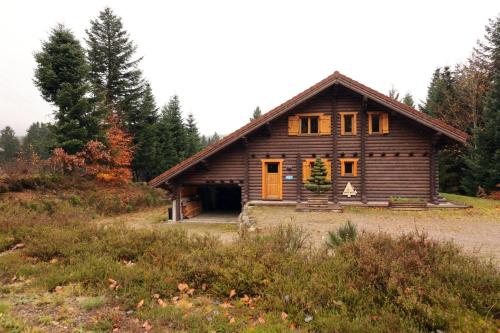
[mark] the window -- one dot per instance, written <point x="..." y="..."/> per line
<point x="349" y="167"/>
<point x="378" y="123"/>
<point x="310" y="124"/>
<point x="348" y="123"/>
<point x="308" y="165"/>
<point x="272" y="167"/>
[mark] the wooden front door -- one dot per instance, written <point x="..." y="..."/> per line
<point x="272" y="186"/>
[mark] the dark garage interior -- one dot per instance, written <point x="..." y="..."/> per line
<point x="222" y="198"/>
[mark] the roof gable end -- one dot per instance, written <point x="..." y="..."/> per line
<point x="335" y="78"/>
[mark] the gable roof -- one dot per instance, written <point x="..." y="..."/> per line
<point x="335" y="78"/>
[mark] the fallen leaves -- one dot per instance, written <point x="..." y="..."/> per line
<point x="147" y="326"/>
<point x="182" y="287"/>
<point x="140" y="304"/>
<point x="232" y="293"/>
<point x="226" y="305"/>
<point x="113" y="284"/>
<point x="284" y="315"/>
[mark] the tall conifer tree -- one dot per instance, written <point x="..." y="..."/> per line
<point x="172" y="115"/>
<point x="61" y="76"/>
<point x="114" y="70"/>
<point x="146" y="143"/>
<point x="10" y="145"/>
<point x="483" y="160"/>
<point x="40" y="140"/>
<point x="193" y="141"/>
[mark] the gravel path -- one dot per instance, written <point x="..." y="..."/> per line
<point x="476" y="231"/>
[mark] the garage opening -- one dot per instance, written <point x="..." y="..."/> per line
<point x="218" y="198"/>
<point x="213" y="201"/>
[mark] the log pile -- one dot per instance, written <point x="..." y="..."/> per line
<point x="191" y="209"/>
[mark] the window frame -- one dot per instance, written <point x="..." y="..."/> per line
<point x="343" y="162"/>
<point x="380" y="115"/>
<point x="309" y="116"/>
<point x="354" y="123"/>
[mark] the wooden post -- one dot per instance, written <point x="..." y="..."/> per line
<point x="433" y="166"/>
<point x="335" y="137"/>
<point x="298" y="179"/>
<point x="246" y="161"/>
<point x="178" y="213"/>
<point x="364" y="107"/>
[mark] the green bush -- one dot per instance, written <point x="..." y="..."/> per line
<point x="346" y="233"/>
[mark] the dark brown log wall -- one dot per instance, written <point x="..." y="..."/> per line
<point x="397" y="164"/>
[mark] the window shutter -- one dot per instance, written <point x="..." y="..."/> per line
<point x="306" y="170"/>
<point x="293" y="125"/>
<point x="385" y="123"/>
<point x="325" y="124"/>
<point x="328" y="166"/>
<point x="370" y="115"/>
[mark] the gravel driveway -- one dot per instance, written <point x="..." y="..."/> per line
<point x="476" y="230"/>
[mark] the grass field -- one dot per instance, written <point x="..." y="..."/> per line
<point x="71" y="266"/>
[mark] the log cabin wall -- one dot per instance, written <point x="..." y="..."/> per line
<point x="225" y="166"/>
<point x="281" y="145"/>
<point x="396" y="164"/>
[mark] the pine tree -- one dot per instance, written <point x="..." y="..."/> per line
<point x="317" y="182"/>
<point x="214" y="138"/>
<point x="40" y="139"/>
<point x="113" y="69"/>
<point x="168" y="156"/>
<point x="193" y="142"/>
<point x="9" y="144"/>
<point x="483" y="160"/>
<point x="256" y="113"/>
<point x="393" y="93"/>
<point x="61" y="76"/>
<point x="143" y="124"/>
<point x="408" y="100"/>
<point x="172" y="115"/>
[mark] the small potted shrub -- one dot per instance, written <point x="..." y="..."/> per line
<point x="317" y="182"/>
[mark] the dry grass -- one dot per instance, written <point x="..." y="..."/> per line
<point x="81" y="272"/>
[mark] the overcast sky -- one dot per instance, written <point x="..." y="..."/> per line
<point x="223" y="58"/>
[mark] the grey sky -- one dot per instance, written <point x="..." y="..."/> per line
<point x="225" y="57"/>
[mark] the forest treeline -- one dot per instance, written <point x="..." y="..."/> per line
<point x="88" y="83"/>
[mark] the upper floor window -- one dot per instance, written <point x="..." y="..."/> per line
<point x="348" y="123"/>
<point x="378" y="123"/>
<point x="310" y="124"/>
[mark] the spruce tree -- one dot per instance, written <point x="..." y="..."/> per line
<point x="172" y="117"/>
<point x="408" y="100"/>
<point x="483" y="159"/>
<point x="146" y="154"/>
<point x="61" y="76"/>
<point x="9" y="144"/>
<point x="317" y="182"/>
<point x="40" y="139"/>
<point x="193" y="142"/>
<point x="114" y="71"/>
<point x="168" y="156"/>
<point x="256" y="113"/>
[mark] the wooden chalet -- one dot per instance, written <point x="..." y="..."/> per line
<point x="373" y="146"/>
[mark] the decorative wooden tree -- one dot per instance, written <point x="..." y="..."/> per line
<point x="317" y="182"/>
